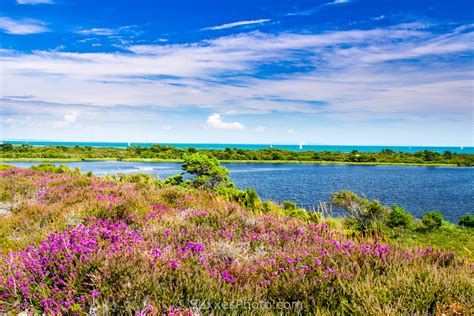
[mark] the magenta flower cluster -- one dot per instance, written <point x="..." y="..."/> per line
<point x="52" y="274"/>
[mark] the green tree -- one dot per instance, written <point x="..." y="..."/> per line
<point x="6" y="147"/>
<point x="207" y="171"/>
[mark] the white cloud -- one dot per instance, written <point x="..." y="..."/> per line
<point x="122" y="30"/>
<point x="260" y="129"/>
<point x="216" y="121"/>
<point x="378" y="18"/>
<point x="338" y="2"/>
<point x="291" y="131"/>
<point x="21" y="26"/>
<point x="235" y="24"/>
<point x="361" y="74"/>
<point x="67" y="121"/>
<point x="34" y="1"/>
<point x="97" y="31"/>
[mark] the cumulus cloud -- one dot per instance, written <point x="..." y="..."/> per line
<point x="216" y="121"/>
<point x="34" y="1"/>
<point x="21" y="26"/>
<point x="235" y="24"/>
<point x="260" y="129"/>
<point x="67" y="120"/>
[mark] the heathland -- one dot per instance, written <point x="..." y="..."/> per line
<point x="9" y="152"/>
<point x="76" y="243"/>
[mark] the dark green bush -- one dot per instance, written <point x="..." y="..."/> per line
<point x="467" y="220"/>
<point x="177" y="179"/>
<point x="398" y="217"/>
<point x="289" y="206"/>
<point x="432" y="219"/>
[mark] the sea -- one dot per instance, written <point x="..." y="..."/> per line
<point x="293" y="147"/>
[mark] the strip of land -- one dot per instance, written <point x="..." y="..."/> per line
<point x="159" y="153"/>
<point x="233" y="161"/>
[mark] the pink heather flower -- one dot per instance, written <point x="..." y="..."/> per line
<point x="95" y="294"/>
<point x="173" y="264"/>
<point x="196" y="247"/>
<point x="227" y="277"/>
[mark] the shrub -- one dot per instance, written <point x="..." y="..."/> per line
<point x="432" y="219"/>
<point x="177" y="179"/>
<point x="45" y="167"/>
<point x="467" y="220"/>
<point x="289" y="206"/>
<point x="364" y="215"/>
<point x="141" y="180"/>
<point x="398" y="217"/>
<point x="250" y="198"/>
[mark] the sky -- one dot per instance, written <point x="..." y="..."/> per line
<point x="346" y="72"/>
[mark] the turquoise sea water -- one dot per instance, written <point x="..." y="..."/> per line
<point x="341" y="148"/>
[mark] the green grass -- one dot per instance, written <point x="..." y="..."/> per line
<point x="449" y="238"/>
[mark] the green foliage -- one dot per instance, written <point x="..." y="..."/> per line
<point x="250" y="198"/>
<point x="432" y="220"/>
<point x="6" y="147"/>
<point x="5" y="167"/>
<point x="467" y="220"/>
<point x="289" y="205"/>
<point x="398" y="217"/>
<point x="65" y="169"/>
<point x="177" y="179"/>
<point x="206" y="170"/>
<point x="160" y="152"/>
<point x="45" y="167"/>
<point x="141" y="180"/>
<point x="363" y="215"/>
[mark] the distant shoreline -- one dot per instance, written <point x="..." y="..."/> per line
<point x="222" y="146"/>
<point x="231" y="161"/>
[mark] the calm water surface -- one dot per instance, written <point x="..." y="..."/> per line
<point x="417" y="189"/>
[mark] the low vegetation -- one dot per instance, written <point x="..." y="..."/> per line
<point x="169" y="153"/>
<point x="195" y="244"/>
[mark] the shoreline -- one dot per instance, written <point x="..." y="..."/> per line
<point x="232" y="161"/>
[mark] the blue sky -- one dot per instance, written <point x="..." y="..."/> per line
<point x="318" y="72"/>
